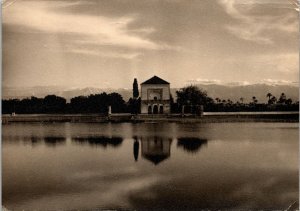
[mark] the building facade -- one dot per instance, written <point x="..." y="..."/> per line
<point x="155" y="96"/>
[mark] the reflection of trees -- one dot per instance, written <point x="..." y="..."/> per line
<point x="35" y="140"/>
<point x="99" y="141"/>
<point x="191" y="144"/>
<point x="54" y="140"/>
<point x="136" y="146"/>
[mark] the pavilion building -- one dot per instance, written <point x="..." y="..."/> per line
<point x="155" y="96"/>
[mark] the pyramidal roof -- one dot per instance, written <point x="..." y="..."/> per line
<point x="156" y="159"/>
<point x="155" y="80"/>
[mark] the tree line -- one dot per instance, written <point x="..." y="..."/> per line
<point x="50" y="104"/>
<point x="273" y="104"/>
<point x="190" y="97"/>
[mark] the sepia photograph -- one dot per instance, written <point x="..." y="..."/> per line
<point x="150" y="105"/>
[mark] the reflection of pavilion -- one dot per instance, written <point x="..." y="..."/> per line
<point x="155" y="149"/>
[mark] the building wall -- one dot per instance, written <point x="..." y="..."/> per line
<point x="166" y="105"/>
<point x="165" y="90"/>
<point x="155" y="146"/>
<point x="144" y="108"/>
<point x="150" y="91"/>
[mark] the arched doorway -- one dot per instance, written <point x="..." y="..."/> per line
<point x="149" y="109"/>
<point x="161" y="109"/>
<point x="155" y="109"/>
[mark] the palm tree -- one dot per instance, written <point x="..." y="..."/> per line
<point x="273" y="100"/>
<point x="254" y="99"/>
<point x="229" y="101"/>
<point x="269" y="95"/>
<point x="282" y="98"/>
<point x="242" y="99"/>
<point x="289" y="101"/>
<point x="135" y="90"/>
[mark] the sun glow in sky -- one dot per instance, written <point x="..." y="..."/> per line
<point x="107" y="43"/>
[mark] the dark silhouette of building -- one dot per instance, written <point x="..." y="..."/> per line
<point x="155" y="149"/>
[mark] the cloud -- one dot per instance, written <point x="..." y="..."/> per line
<point x="203" y="81"/>
<point x="7" y="3"/>
<point x="281" y="63"/>
<point x="40" y="17"/>
<point x="253" y="27"/>
<point x="279" y="82"/>
<point x="229" y="40"/>
<point x="277" y="64"/>
<point x="102" y="30"/>
<point x="267" y="81"/>
<point x="216" y="81"/>
<point x="238" y="83"/>
<point x="105" y="54"/>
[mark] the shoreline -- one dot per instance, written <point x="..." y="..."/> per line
<point x="115" y="118"/>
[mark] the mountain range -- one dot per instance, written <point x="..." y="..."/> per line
<point x="225" y="92"/>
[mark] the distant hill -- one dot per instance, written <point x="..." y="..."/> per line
<point x="67" y="93"/>
<point x="214" y="90"/>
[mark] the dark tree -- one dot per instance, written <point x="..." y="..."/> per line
<point x="192" y="95"/>
<point x="269" y="95"/>
<point x="272" y="100"/>
<point x="54" y="104"/>
<point x="135" y="90"/>
<point x="98" y="103"/>
<point x="289" y="101"/>
<point x="79" y="104"/>
<point x="282" y="98"/>
<point x="134" y="105"/>
<point x="242" y="100"/>
<point x="10" y="106"/>
<point x="115" y="100"/>
<point x="254" y="100"/>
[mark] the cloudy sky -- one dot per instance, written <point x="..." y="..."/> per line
<point x="106" y="43"/>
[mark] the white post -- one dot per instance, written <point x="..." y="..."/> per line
<point x="109" y="110"/>
<point x="201" y="110"/>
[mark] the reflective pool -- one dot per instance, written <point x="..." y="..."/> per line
<point x="64" y="166"/>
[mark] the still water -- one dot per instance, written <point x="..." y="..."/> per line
<point x="64" y="166"/>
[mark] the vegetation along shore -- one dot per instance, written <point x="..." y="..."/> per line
<point x="192" y="104"/>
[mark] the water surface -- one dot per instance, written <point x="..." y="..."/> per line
<point x="149" y="166"/>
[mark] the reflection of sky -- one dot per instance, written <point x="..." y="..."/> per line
<point x="256" y="167"/>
